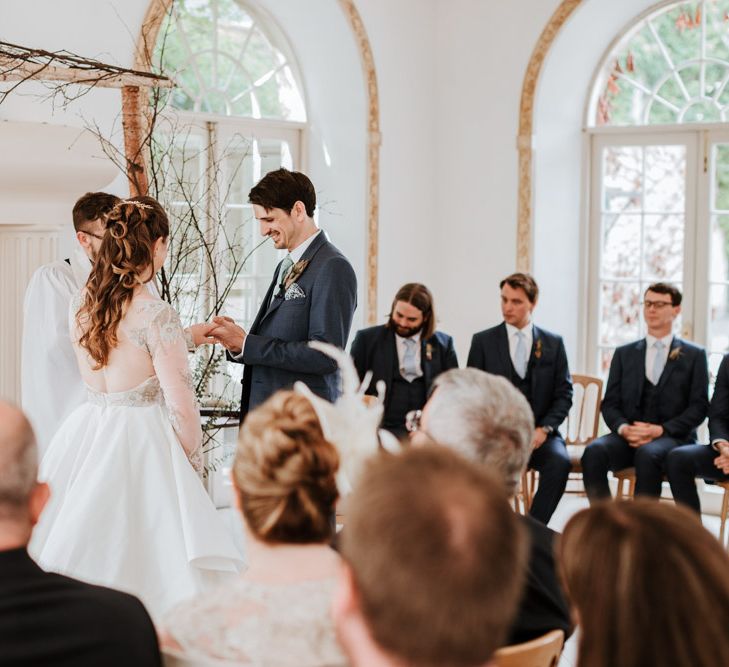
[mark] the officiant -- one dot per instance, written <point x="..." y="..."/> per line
<point x="51" y="383"/>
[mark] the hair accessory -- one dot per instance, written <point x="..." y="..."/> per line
<point x="138" y="204"/>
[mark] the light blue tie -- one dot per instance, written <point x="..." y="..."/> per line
<point x="409" y="368"/>
<point x="286" y="265"/>
<point x="520" y="361"/>
<point x="658" y="362"/>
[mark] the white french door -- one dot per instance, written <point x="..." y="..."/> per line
<point x="659" y="209"/>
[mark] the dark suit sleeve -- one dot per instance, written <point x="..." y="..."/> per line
<point x="358" y="352"/>
<point x="333" y="300"/>
<point x="475" y="354"/>
<point x="719" y="407"/>
<point x="698" y="403"/>
<point x="562" y="395"/>
<point x="451" y="359"/>
<point x="611" y="409"/>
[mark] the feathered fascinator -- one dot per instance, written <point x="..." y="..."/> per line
<point x="351" y="423"/>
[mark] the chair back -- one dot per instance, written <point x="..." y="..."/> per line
<point x="543" y="651"/>
<point x="584" y="416"/>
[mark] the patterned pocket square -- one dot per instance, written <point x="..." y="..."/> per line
<point x="294" y="292"/>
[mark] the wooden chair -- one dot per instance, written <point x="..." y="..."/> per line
<point x="724" y="510"/>
<point x="543" y="651"/>
<point x="580" y="427"/>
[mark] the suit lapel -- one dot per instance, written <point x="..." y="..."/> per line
<point x="638" y="364"/>
<point x="266" y="303"/>
<point x="670" y="363"/>
<point x="502" y="349"/>
<point x="535" y="356"/>
<point x="309" y="253"/>
<point x="426" y="364"/>
<point x="389" y="358"/>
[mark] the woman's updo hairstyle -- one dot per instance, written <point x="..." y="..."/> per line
<point x="284" y="472"/>
<point x="124" y="260"/>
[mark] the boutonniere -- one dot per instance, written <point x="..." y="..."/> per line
<point x="295" y="273"/>
<point x="429" y="352"/>
<point x="538" y="349"/>
<point x="675" y="353"/>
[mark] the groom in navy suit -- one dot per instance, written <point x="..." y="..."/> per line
<point x="656" y="397"/>
<point x="535" y="362"/>
<point x="312" y="296"/>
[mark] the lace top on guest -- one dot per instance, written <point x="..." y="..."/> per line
<point x="147" y="366"/>
<point x="261" y="624"/>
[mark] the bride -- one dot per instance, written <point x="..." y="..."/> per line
<point x="128" y="509"/>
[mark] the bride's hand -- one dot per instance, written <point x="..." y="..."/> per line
<point x="201" y="333"/>
<point x="226" y="332"/>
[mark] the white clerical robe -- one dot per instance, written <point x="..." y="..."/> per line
<point x="51" y="385"/>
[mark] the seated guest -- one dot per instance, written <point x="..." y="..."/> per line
<point x="649" y="586"/>
<point x="711" y="461"/>
<point x="434" y="563"/>
<point x="407" y="354"/>
<point x="487" y="420"/>
<point x="656" y="397"/>
<point x="535" y="362"/>
<point x="45" y="618"/>
<point x="277" y="612"/>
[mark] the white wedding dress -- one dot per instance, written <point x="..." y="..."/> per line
<point x="128" y="509"/>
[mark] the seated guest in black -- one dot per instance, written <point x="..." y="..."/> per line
<point x="656" y="397"/>
<point x="535" y="362"/>
<point x="45" y="618"/>
<point x="484" y="418"/>
<point x="711" y="461"/>
<point x="407" y="353"/>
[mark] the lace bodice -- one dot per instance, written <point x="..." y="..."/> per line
<point x="147" y="366"/>
<point x="266" y="625"/>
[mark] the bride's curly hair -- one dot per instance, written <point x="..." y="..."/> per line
<point x="124" y="261"/>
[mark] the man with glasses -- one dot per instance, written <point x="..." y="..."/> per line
<point x="51" y="383"/>
<point x="656" y="397"/>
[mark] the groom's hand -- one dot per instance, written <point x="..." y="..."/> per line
<point x="226" y="332"/>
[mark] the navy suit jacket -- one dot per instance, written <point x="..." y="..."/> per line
<point x="683" y="398"/>
<point x="719" y="408"/>
<point x="374" y="349"/>
<point x="551" y="384"/>
<point x="276" y="352"/>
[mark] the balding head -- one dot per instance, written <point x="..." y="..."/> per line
<point x="18" y="462"/>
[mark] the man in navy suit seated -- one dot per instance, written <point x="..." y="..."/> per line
<point x="312" y="296"/>
<point x="407" y="353"/>
<point x="710" y="461"/>
<point x="656" y="397"/>
<point x="535" y="362"/>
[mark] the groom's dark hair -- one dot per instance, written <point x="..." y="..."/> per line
<point x="282" y="189"/>
<point x="91" y="207"/>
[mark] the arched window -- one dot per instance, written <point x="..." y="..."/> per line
<point x="237" y="113"/>
<point x="659" y="191"/>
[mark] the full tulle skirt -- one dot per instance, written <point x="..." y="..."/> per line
<point x="127" y="510"/>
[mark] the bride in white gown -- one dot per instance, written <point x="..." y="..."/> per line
<point x="128" y="509"/>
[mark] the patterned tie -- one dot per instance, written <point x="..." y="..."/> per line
<point x="658" y="362"/>
<point x="409" y="368"/>
<point x="521" y="359"/>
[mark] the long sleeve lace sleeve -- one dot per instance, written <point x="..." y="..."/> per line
<point x="167" y="346"/>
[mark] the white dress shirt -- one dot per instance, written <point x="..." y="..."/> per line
<point x="400" y="344"/>
<point x="650" y="352"/>
<point x="511" y="332"/>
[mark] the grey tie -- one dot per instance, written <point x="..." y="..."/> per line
<point x="409" y="368"/>
<point x="520" y="358"/>
<point x="658" y="361"/>
<point x="283" y="271"/>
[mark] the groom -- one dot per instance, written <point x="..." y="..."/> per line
<point x="312" y="296"/>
